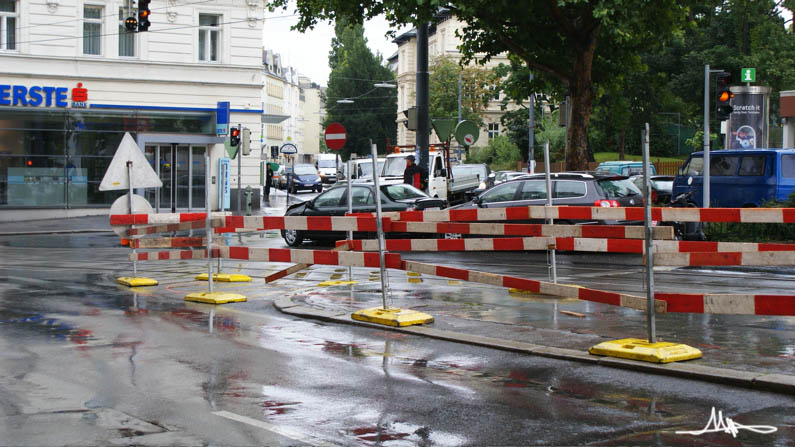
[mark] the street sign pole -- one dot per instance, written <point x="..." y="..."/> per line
<point x="239" y="187"/>
<point x="379" y="226"/>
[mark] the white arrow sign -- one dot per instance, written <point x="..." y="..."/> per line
<point x="142" y="173"/>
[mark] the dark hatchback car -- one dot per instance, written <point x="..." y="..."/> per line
<point x="661" y="186"/>
<point x="306" y="178"/>
<point x="572" y="189"/>
<point x="334" y="202"/>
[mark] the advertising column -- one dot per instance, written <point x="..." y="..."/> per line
<point x="748" y="123"/>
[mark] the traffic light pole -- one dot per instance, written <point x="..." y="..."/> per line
<point x="705" y="177"/>
<point x="239" y="188"/>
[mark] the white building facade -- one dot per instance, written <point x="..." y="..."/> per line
<point x="73" y="80"/>
<point x="442" y="41"/>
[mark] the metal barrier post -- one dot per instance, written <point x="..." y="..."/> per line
<point x="350" y="210"/>
<point x="549" y="203"/>
<point x="208" y="226"/>
<point x="649" y="238"/>
<point x="379" y="225"/>
<point x="130" y="193"/>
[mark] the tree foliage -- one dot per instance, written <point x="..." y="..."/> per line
<point x="354" y="71"/>
<point x="477" y="88"/>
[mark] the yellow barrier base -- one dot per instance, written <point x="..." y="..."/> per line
<point x="224" y="277"/>
<point x="136" y="281"/>
<point x="336" y="283"/>
<point x="637" y="349"/>
<point x="215" y="297"/>
<point x="392" y="317"/>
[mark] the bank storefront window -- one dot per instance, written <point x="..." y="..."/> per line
<point x="57" y="158"/>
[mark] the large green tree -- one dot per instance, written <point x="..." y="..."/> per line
<point x="366" y="112"/>
<point x="571" y="44"/>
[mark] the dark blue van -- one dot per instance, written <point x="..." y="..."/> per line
<point x="739" y="178"/>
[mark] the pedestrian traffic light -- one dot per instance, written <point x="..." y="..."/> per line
<point x="723" y="107"/>
<point x="143" y="15"/>
<point x="274" y="152"/>
<point x="245" y="143"/>
<point x="234" y="136"/>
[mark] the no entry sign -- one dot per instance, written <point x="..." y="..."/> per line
<point x="335" y="136"/>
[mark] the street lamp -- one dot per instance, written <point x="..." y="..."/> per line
<point x="345" y="101"/>
<point x="384" y="85"/>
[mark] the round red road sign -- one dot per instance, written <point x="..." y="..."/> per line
<point x="335" y="136"/>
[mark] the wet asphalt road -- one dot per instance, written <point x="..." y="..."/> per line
<point x="85" y="361"/>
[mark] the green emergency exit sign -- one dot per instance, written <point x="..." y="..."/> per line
<point x="748" y="75"/>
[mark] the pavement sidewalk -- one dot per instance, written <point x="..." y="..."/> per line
<point x="456" y="321"/>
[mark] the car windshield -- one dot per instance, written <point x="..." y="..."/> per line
<point x="394" y="166"/>
<point x="326" y="164"/>
<point x="479" y="170"/>
<point x="402" y="192"/>
<point x="366" y="169"/>
<point x="663" y="185"/>
<point x="616" y="188"/>
<point x="305" y="170"/>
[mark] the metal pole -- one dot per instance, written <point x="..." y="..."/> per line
<point x="423" y="132"/>
<point x="531" y="133"/>
<point x="459" y="97"/>
<point x="705" y="185"/>
<point x="239" y="161"/>
<point x="350" y="209"/>
<point x="649" y="241"/>
<point x="207" y="225"/>
<point x="549" y="203"/>
<point x="173" y="177"/>
<point x="129" y="182"/>
<point x="379" y="226"/>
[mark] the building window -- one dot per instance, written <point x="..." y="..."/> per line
<point x="8" y="25"/>
<point x="209" y="37"/>
<point x="126" y="38"/>
<point x="92" y="29"/>
<point x="494" y="130"/>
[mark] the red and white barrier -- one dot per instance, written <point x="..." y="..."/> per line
<point x="547" y="288"/>
<point x="733" y="304"/>
<point x="566" y="244"/>
<point x="660" y="214"/>
<point x="169" y="242"/>
<point x="169" y="255"/>
<point x="167" y="228"/>
<point x="536" y="230"/>
<point x="767" y="258"/>
<point x="160" y="219"/>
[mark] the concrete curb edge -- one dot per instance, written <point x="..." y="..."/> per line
<point x="779" y="383"/>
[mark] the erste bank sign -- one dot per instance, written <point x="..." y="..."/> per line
<point x="20" y="95"/>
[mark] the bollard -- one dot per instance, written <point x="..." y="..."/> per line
<point x="249" y="192"/>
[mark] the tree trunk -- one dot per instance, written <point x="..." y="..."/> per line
<point x="582" y="99"/>
<point x="622" y="137"/>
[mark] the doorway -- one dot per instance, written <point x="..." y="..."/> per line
<point x="181" y="168"/>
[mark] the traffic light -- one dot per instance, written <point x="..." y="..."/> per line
<point x="234" y="136"/>
<point x="143" y="15"/>
<point x="274" y="152"/>
<point x="723" y="108"/>
<point x="245" y="144"/>
<point x="131" y="24"/>
<point x="411" y="118"/>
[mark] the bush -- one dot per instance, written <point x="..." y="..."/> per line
<point x="753" y="232"/>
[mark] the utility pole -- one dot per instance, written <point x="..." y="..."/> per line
<point x="422" y="134"/>
<point x="531" y="132"/>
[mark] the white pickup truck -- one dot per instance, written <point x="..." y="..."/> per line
<point x="439" y="185"/>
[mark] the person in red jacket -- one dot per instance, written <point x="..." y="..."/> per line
<point x="415" y="175"/>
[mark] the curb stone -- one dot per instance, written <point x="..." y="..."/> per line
<point x="779" y="383"/>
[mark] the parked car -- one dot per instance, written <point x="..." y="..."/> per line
<point x="334" y="202"/>
<point x="568" y="189"/>
<point x="306" y="177"/>
<point x="661" y="186"/>
<point x="482" y="170"/>
<point x="504" y="176"/>
<point x="278" y="176"/>
<point x="739" y="178"/>
<point x="626" y="168"/>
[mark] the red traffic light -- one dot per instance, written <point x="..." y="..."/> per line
<point x="725" y="95"/>
<point x="30" y="162"/>
<point x="235" y="131"/>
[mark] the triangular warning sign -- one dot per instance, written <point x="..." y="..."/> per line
<point x="143" y="176"/>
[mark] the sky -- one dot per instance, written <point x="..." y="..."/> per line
<point x="308" y="52"/>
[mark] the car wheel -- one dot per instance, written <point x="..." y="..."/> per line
<point x="293" y="238"/>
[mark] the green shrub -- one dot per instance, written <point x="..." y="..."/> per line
<point x="753" y="232"/>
